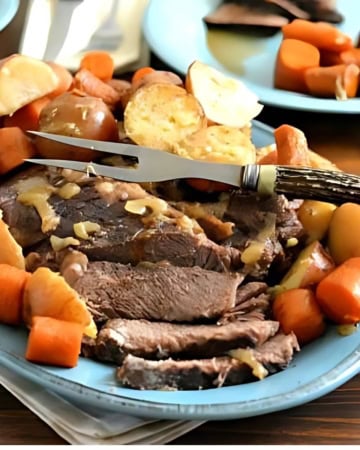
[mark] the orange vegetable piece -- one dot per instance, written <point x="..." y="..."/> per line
<point x="10" y="251"/>
<point x="27" y="117"/>
<point x="297" y="310"/>
<point x="351" y="56"/>
<point x="12" y="282"/>
<point x="140" y="73"/>
<point x="269" y="158"/>
<point x="320" y="34"/>
<point x="65" y="79"/>
<point x="88" y="83"/>
<point x="54" y="342"/>
<point x="339" y="81"/>
<point x="99" y="63"/>
<point x="14" y="148"/>
<point x="48" y="294"/>
<point x="294" y="57"/>
<point x="338" y="294"/>
<point x="329" y="58"/>
<point x="292" y="147"/>
<point x="207" y="185"/>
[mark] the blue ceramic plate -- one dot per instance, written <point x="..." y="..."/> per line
<point x="8" y="9"/>
<point x="318" y="369"/>
<point x="176" y="33"/>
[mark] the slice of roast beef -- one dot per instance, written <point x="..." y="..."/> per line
<point x="169" y="374"/>
<point x="159" y="340"/>
<point x="266" y="224"/>
<point x="252" y="303"/>
<point x="123" y="237"/>
<point x="156" y="292"/>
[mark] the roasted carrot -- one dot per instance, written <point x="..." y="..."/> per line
<point x="140" y="73"/>
<point x="339" y="81"/>
<point x="294" y="57"/>
<point x="351" y="56"/>
<point x="338" y="294"/>
<point x="88" y="83"/>
<point x="297" y="311"/>
<point x="329" y="58"/>
<point x="14" y="148"/>
<point x="12" y="282"/>
<point x="54" y="342"/>
<point x="27" y="117"/>
<point x="99" y="63"/>
<point x="292" y="147"/>
<point x="65" y="79"/>
<point x="207" y="185"/>
<point x="269" y="158"/>
<point x="320" y="34"/>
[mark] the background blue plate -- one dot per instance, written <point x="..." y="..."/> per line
<point x="8" y="9"/>
<point x="318" y="369"/>
<point x="175" y="31"/>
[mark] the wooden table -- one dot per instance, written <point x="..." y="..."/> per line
<point x="333" y="419"/>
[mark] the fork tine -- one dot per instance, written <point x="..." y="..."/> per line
<point x="99" y="146"/>
<point x="131" y="174"/>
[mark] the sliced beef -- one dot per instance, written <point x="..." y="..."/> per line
<point x="123" y="238"/>
<point x="252" y="303"/>
<point x="251" y="213"/>
<point x="156" y="292"/>
<point x="157" y="340"/>
<point x="277" y="352"/>
<point x="169" y="374"/>
<point x="269" y="222"/>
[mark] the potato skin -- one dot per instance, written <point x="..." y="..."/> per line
<point x="78" y="116"/>
<point x="344" y="236"/>
<point x="315" y="217"/>
<point x="161" y="114"/>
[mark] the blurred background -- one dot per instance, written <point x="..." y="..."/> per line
<point x="61" y="30"/>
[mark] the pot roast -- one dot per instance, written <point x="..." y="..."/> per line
<point x="170" y="300"/>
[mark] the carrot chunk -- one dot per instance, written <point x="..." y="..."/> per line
<point x="208" y="186"/>
<point x="12" y="282"/>
<point x="140" y="73"/>
<point x="54" y="342"/>
<point x="27" y="117"/>
<point x="99" y="63"/>
<point x="86" y="82"/>
<point x="294" y="57"/>
<point x="291" y="145"/>
<point x="297" y="310"/>
<point x="338" y="294"/>
<point x="340" y="81"/>
<point x="351" y="56"/>
<point x="320" y="34"/>
<point x="14" y="148"/>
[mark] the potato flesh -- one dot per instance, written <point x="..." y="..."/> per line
<point x="218" y="143"/>
<point x="159" y="115"/>
<point x="22" y="80"/>
<point x="10" y="251"/>
<point x="225" y="101"/>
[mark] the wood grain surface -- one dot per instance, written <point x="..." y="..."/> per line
<point x="332" y="419"/>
